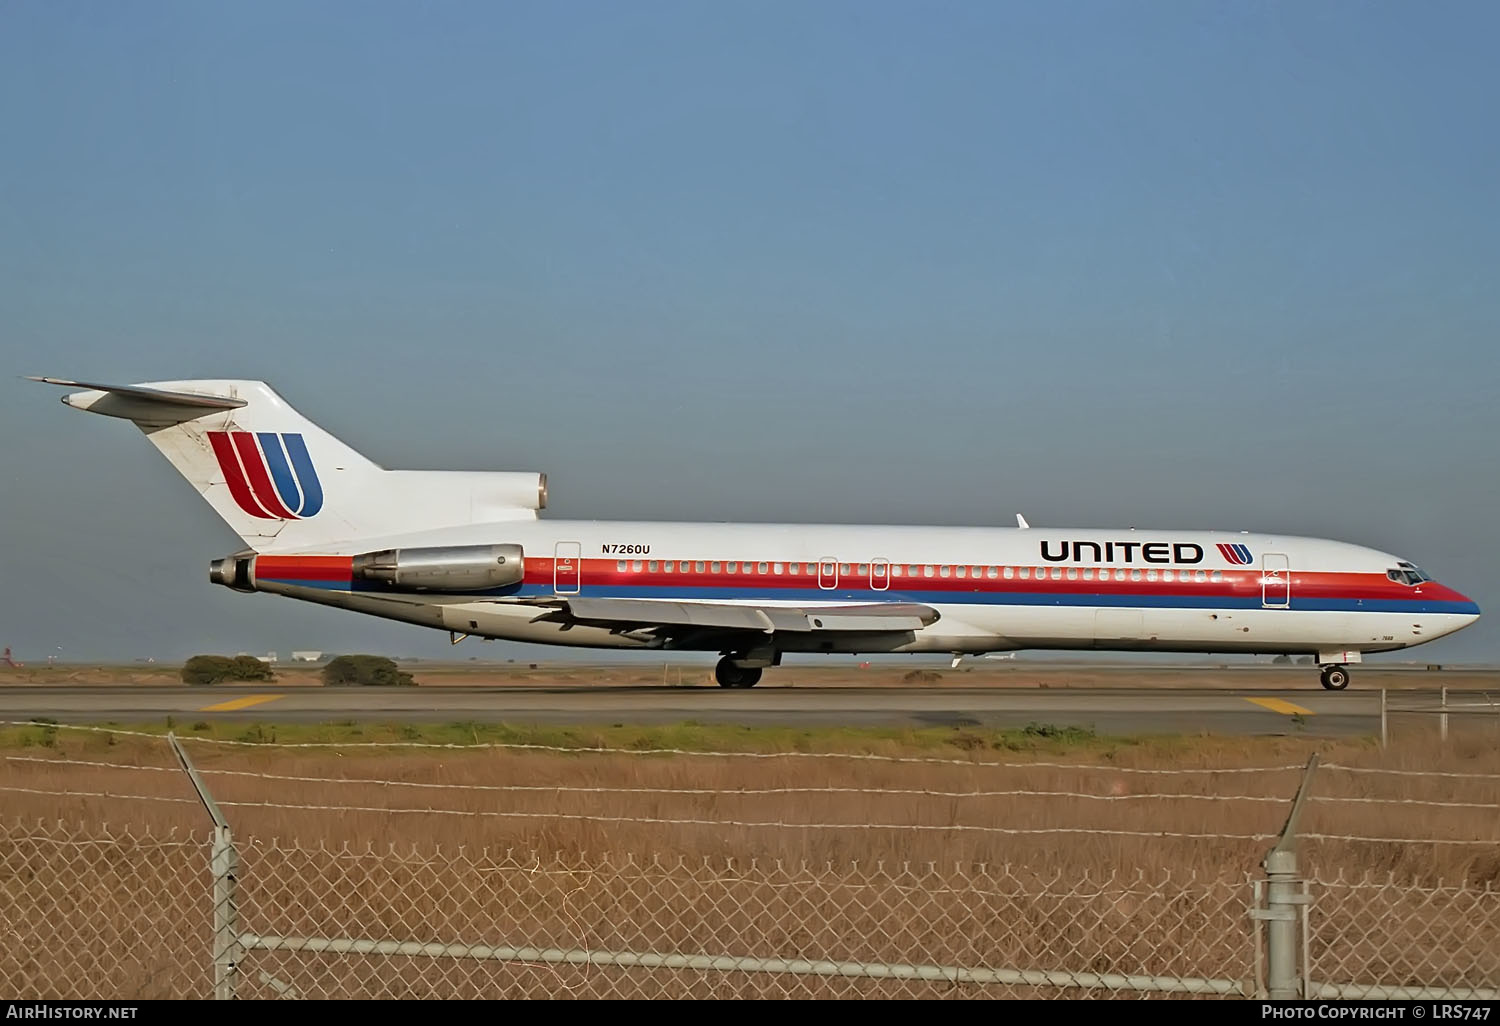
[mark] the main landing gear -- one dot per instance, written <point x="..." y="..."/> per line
<point x="731" y="676"/>
<point x="1335" y="678"/>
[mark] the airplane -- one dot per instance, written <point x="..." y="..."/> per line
<point x="468" y="553"/>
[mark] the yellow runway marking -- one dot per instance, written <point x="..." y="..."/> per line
<point x="1277" y="705"/>
<point x="240" y="703"/>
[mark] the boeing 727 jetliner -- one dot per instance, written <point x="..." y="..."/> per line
<point x="467" y="553"/>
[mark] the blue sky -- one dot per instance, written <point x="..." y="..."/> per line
<point x="1173" y="264"/>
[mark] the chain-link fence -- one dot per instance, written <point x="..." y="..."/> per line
<point x="89" y="909"/>
<point x="86" y="914"/>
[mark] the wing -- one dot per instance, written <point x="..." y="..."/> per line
<point x="673" y="622"/>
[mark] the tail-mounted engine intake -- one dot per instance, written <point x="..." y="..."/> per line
<point x="444" y="568"/>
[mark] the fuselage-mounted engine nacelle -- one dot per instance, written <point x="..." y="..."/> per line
<point x="444" y="568"/>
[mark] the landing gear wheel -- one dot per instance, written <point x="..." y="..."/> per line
<point x="1335" y="678"/>
<point x="731" y="676"/>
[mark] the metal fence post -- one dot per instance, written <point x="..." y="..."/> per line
<point x="1443" y="719"/>
<point x="1384" y="732"/>
<point x="225" y="866"/>
<point x="226" y="870"/>
<point x="1286" y="902"/>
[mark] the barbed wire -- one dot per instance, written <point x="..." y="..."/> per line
<point x="750" y="824"/>
<point x="751" y="792"/>
<point x="1407" y="773"/>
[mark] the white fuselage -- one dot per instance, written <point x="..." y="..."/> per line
<point x="995" y="589"/>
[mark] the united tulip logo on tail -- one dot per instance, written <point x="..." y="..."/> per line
<point x="1237" y="554"/>
<point x="270" y="475"/>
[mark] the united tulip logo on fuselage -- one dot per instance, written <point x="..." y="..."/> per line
<point x="1237" y="554"/>
<point x="270" y="475"/>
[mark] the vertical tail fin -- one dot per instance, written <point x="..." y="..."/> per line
<point x="281" y="482"/>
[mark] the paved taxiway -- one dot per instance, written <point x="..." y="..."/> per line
<point x="1105" y="710"/>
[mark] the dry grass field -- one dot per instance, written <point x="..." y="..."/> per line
<point x="986" y="796"/>
<point x="1041" y="848"/>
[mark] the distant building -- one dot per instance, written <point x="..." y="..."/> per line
<point x="306" y="657"/>
<point x="269" y="657"/>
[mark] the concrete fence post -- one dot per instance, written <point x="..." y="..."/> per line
<point x="1286" y="907"/>
<point x="226" y="945"/>
<point x="224" y="864"/>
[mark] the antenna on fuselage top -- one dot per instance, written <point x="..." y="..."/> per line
<point x="1021" y="521"/>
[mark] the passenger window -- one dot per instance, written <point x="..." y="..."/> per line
<point x="895" y="571"/>
<point x="1218" y="575"/>
<point x="778" y="567"/>
<point x="636" y="566"/>
<point x="1010" y="573"/>
<point x="761" y="567"/>
<point x="1200" y="575"/>
<point x="652" y="566"/>
<point x="698" y="567"/>
<point x="962" y="571"/>
<point x="1135" y="575"/>
<point x="1150" y="575"/>
<point x="1166" y="575"/>
<point x="927" y="571"/>
<point x="992" y="573"/>
<point x="716" y="567"/>
<point x="733" y="568"/>
<point x="1119" y="575"/>
<point x="1057" y="573"/>
<point x="863" y="569"/>
<point x="669" y="565"/>
<point x="620" y="566"/>
<point x="945" y="570"/>
<point x="1088" y="573"/>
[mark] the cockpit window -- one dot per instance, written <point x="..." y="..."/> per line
<point x="1407" y="573"/>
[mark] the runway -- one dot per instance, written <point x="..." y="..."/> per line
<point x="1109" y="711"/>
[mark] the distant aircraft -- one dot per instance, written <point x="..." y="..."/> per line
<point x="466" y="552"/>
<point x="9" y="661"/>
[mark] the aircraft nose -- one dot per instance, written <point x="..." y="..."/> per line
<point x="1465" y="609"/>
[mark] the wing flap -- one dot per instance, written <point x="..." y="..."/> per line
<point x="638" y="613"/>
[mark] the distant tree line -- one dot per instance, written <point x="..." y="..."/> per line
<point x="343" y="671"/>
<point x="212" y="669"/>
<point x="365" y="670"/>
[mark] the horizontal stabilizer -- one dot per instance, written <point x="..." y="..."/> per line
<point x="647" y="613"/>
<point x="152" y="395"/>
